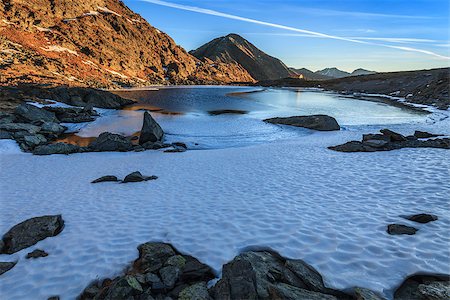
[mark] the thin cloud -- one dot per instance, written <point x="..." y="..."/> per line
<point x="279" y="26"/>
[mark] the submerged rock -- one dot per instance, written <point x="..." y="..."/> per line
<point x="31" y="231"/>
<point x="138" y="177"/>
<point x="422" y="218"/>
<point x="31" y="113"/>
<point x="6" y="266"/>
<point x="397" y="229"/>
<point x="58" y="148"/>
<point x="36" y="254"/>
<point x="111" y="142"/>
<point x="106" y="178"/>
<point x="316" y="122"/>
<point x="151" y="131"/>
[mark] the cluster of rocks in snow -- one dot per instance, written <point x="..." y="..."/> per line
<point x="27" y="234"/>
<point x="132" y="177"/>
<point x="390" y="140"/>
<point x="398" y="229"/>
<point x="162" y="272"/>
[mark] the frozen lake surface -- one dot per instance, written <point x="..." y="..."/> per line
<point x="253" y="184"/>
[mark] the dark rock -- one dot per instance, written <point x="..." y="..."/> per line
<point x="316" y="122"/>
<point x="309" y="276"/>
<point x="424" y="135"/>
<point x="36" y="254"/>
<point x="6" y="135"/>
<point x="289" y="292"/>
<point x="422" y="218"/>
<point x="138" y="177"/>
<point x="169" y="276"/>
<point x="18" y="127"/>
<point x="58" y="148"/>
<point x="411" y="138"/>
<point x="375" y="143"/>
<point x="198" y="291"/>
<point x="393" y="136"/>
<point x="152" y="256"/>
<point x="55" y="128"/>
<point x="151" y="131"/>
<point x="34" y="140"/>
<point x="111" y="142"/>
<point x="105" y="179"/>
<point x="124" y="288"/>
<point x="72" y="114"/>
<point x="53" y="298"/>
<point x="6" y="118"/>
<point x="227" y="111"/>
<point x="194" y="270"/>
<point x="396" y="229"/>
<point x="175" y="149"/>
<point x="423" y="287"/>
<point x="138" y="148"/>
<point x="370" y="136"/>
<point x="6" y="266"/>
<point x="366" y="294"/>
<point x="31" y="231"/>
<point x="31" y="113"/>
<point x="352" y="146"/>
<point x="155" y="145"/>
<point x="180" y="144"/>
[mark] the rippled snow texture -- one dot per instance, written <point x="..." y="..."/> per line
<point x="297" y="197"/>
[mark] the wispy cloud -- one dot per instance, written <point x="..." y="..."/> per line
<point x="289" y="28"/>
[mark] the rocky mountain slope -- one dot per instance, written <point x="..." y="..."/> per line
<point x="99" y="43"/>
<point x="360" y="71"/>
<point x="234" y="49"/>
<point x="333" y="73"/>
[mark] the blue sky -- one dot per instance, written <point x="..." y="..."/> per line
<point x="381" y="35"/>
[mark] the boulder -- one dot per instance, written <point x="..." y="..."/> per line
<point x="393" y="136"/>
<point x="138" y="177"/>
<point x="437" y="290"/>
<point x="169" y="276"/>
<point x="422" y="218"/>
<point x="110" y="178"/>
<point x="111" y="142"/>
<point x="6" y="266"/>
<point x="6" y="118"/>
<point x="36" y="254"/>
<point x="371" y="136"/>
<point x="397" y="229"/>
<point x="288" y="292"/>
<point x="424" y="287"/>
<point x="58" y="148"/>
<point x="152" y="256"/>
<point x="315" y="122"/>
<point x="198" y="291"/>
<point x="20" y="127"/>
<point x="31" y="231"/>
<point x="31" y="113"/>
<point x="72" y="114"/>
<point x="151" y="131"/>
<point x="375" y="143"/>
<point x="366" y="294"/>
<point x="155" y="145"/>
<point x="32" y="141"/>
<point x="352" y="146"/>
<point x="54" y="128"/>
<point x="424" y="135"/>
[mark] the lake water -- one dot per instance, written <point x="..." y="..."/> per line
<point x="194" y="114"/>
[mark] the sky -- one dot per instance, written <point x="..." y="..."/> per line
<point x="379" y="35"/>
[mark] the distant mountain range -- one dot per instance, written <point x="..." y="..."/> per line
<point x="329" y="73"/>
<point x="234" y="49"/>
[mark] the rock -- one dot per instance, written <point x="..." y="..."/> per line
<point x="18" y="127"/>
<point x="194" y="270"/>
<point x="375" y="143"/>
<point x="53" y="298"/>
<point x="151" y="131"/>
<point x="435" y="290"/>
<point x="169" y="276"/>
<point x="72" y="114"/>
<point x="123" y="288"/>
<point x="316" y="122"/>
<point x="352" y="146"/>
<point x="138" y="177"/>
<point x="366" y="294"/>
<point x="152" y="256"/>
<point x="423" y="287"/>
<point x="6" y="118"/>
<point x="31" y="113"/>
<point x="180" y="145"/>
<point x="55" y="128"/>
<point x="111" y="142"/>
<point x="227" y="111"/>
<point x="397" y="229"/>
<point x="36" y="254"/>
<point x="393" y="136"/>
<point x="6" y="266"/>
<point x="289" y="292"/>
<point x="175" y="149"/>
<point x="34" y="140"/>
<point x="106" y="179"/>
<point x="197" y="291"/>
<point x="309" y="276"/>
<point x="31" y="231"/>
<point x="138" y="148"/>
<point x="424" y="135"/>
<point x="422" y="218"/>
<point x="155" y="145"/>
<point x="5" y="135"/>
<point x="177" y="261"/>
<point x="58" y="148"/>
<point x="370" y="136"/>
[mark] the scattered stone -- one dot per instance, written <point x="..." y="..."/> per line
<point x="366" y="294"/>
<point x="6" y="266"/>
<point x="36" y="254"/>
<point x="316" y="122"/>
<point x="424" y="287"/>
<point x="31" y="231"/>
<point x="397" y="229"/>
<point x="58" y="148"/>
<point x="151" y="131"/>
<point x="422" y="218"/>
<point x="30" y="113"/>
<point x="424" y="135"/>
<point x="138" y="177"/>
<point x="393" y="136"/>
<point x="111" y="142"/>
<point x="107" y="178"/>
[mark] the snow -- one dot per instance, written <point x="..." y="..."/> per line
<point x="117" y="73"/>
<point x="42" y="29"/>
<point x="91" y="13"/>
<point x="90" y="63"/>
<point x="108" y="11"/>
<point x="293" y="195"/>
<point x="56" y="48"/>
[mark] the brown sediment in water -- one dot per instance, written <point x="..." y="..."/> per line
<point x="142" y="106"/>
<point x="227" y="111"/>
<point x="82" y="141"/>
